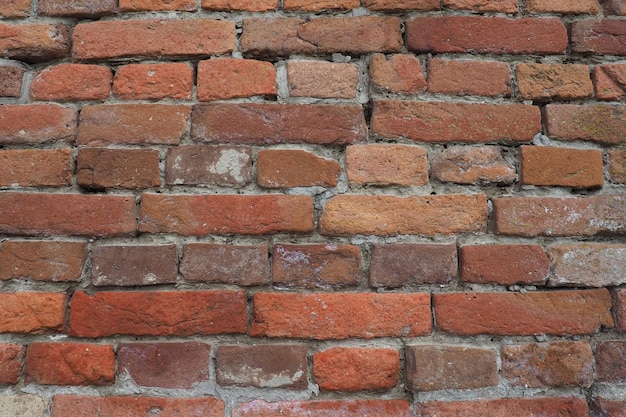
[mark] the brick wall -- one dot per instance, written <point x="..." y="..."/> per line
<point x="233" y="208"/>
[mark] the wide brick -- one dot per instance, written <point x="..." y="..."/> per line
<point x="398" y="73"/>
<point x="69" y="364"/>
<point x="202" y="165"/>
<point x="226" y="78"/>
<point x="619" y="309"/>
<point x="387" y="164"/>
<point x="462" y="77"/>
<point x="556" y="364"/>
<point x="502" y="6"/>
<point x="278" y="168"/>
<point x="543" y="82"/>
<point x="10" y="363"/>
<point x="165" y="365"/>
<point x="614" y="7"/>
<point x="391" y="215"/>
<point x="36" y="123"/>
<point x="199" y="215"/>
<point x="42" y="260"/>
<point x="23" y="405"/>
<point x="431" y="367"/>
<point x="67" y="214"/>
<point x="616" y="159"/>
<point x="71" y="82"/>
<point x="158" y="5"/>
<point x="606" y="37"/>
<point x="316" y="266"/>
<point x="320" y="79"/>
<point x="341" y="316"/>
<point x="278" y="123"/>
<point x="317" y="5"/>
<point x="563" y="6"/>
<point x="243" y="5"/>
<point x="11" y="80"/>
<point x="411" y="264"/>
<point x="36" y="167"/>
<point x="356" y="369"/>
<point x="77" y="8"/>
<point x="576" y="168"/>
<point x="157" y="124"/>
<point x="601" y="407"/>
<point x="101" y="168"/>
<point x="15" y="8"/>
<point x="152" y="38"/>
<point x="483" y="165"/>
<point x="262" y="366"/>
<point x="181" y="313"/>
<point x="448" y="122"/>
<point x="484" y="35"/>
<point x="154" y="81"/>
<point x="610" y="358"/>
<point x="532" y="313"/>
<point x="34" y="43"/>
<point x="609" y="81"/>
<point x="590" y="265"/>
<point x="504" y="264"/>
<point x="507" y="407"/>
<point x="260" y="408"/>
<point x="32" y="312"/>
<point x="355" y="35"/>
<point x="228" y="264"/>
<point x="552" y="216"/>
<point x="134" y="265"/>
<point x="598" y="123"/>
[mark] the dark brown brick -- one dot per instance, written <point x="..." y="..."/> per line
<point x="11" y="81"/>
<point x="601" y="407"/>
<point x="133" y="265"/>
<point x="601" y="37"/>
<point x="100" y="168"/>
<point x="610" y="359"/>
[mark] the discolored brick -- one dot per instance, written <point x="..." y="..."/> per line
<point x="34" y="43"/>
<point x="593" y="36"/>
<point x="15" y="8"/>
<point x="42" y="260"/>
<point x="563" y="6"/>
<point x="243" y="5"/>
<point x="406" y="5"/>
<point x="23" y="405"/>
<point x="619" y="309"/>
<point x="507" y="407"/>
<point x="589" y="265"/>
<point x="157" y="5"/>
<point x="597" y="123"/>
<point x="102" y="168"/>
<point x="154" y="81"/>
<point x="36" y="167"/>
<point x="344" y="408"/>
<point x="319" y="79"/>
<point x="387" y="164"/>
<point x="77" y="8"/>
<point x="398" y="73"/>
<point x="502" y="6"/>
<point x="472" y="165"/>
<point x="617" y="165"/>
<point x="317" y="5"/>
<point x="11" y="80"/>
<point x="10" y="363"/>
<point x="609" y="81"/>
<point x="614" y="7"/>
<point x="601" y="407"/>
<point x="134" y="265"/>
<point x="610" y="358"/>
<point x="543" y="82"/>
<point x="277" y="168"/>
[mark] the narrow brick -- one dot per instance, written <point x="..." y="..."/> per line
<point x="507" y="407"/>
<point x="563" y="6"/>
<point x="544" y="82"/>
<point x="345" y="408"/>
<point x="15" y="8"/>
<point x="597" y="123"/>
<point x="154" y="81"/>
<point x="617" y="165"/>
<point x="226" y="78"/>
<point x="101" y="168"/>
<point x="11" y="80"/>
<point x="601" y="407"/>
<point x="34" y="43"/>
<point x="36" y="167"/>
<point x="610" y="358"/>
<point x="609" y="81"/>
<point x="295" y="168"/>
<point x="32" y="312"/>
<point x="71" y="82"/>
<point x="77" y="8"/>
<point x="619" y="309"/>
<point x="576" y="168"/>
<point x="462" y="77"/>
<point x="614" y="7"/>
<point x="23" y="405"/>
<point x="317" y="5"/>
<point x="36" y="123"/>
<point x="10" y="363"/>
<point x="158" y="5"/>
<point x="320" y="79"/>
<point x="399" y="73"/>
<point x="602" y="37"/>
<point x="501" y="6"/>
<point x="555" y="313"/>
<point x="387" y="164"/>
<point x="588" y="265"/>
<point x="240" y="5"/>
<point x="134" y="265"/>
<point x="42" y="260"/>
<point x="396" y="6"/>
<point x="482" y="165"/>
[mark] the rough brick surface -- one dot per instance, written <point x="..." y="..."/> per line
<point x="620" y="309"/>
<point x="133" y="265"/>
<point x="576" y="168"/>
<point x="24" y="405"/>
<point x="614" y="7"/>
<point x="10" y="363"/>
<point x="101" y="168"/>
<point x="77" y="8"/>
<point x="472" y="165"/>
<point x="226" y="78"/>
<point x="462" y="77"/>
<point x="601" y="407"/>
<point x="42" y="260"/>
<point x="158" y="5"/>
<point x="393" y="5"/>
<point x="320" y="79"/>
<point x="398" y="73"/>
<point x="259" y="408"/>
<point x="564" y="7"/>
<point x="36" y="168"/>
<point x="34" y="43"/>
<point x="295" y="168"/>
<point x="609" y="357"/>
<point x="509" y="407"/>
<point x="71" y="82"/>
<point x="32" y="312"/>
<point x="599" y="123"/>
<point x="599" y="37"/>
<point x="11" y="81"/>
<point x="503" y="6"/>
<point x="317" y="5"/>
<point x="153" y="81"/>
<point x="553" y="82"/>
<point x="244" y="5"/>
<point x="387" y="164"/>
<point x="590" y="265"/>
<point x="609" y="81"/>
<point x="15" y="8"/>
<point x="617" y="165"/>
<point x="36" y="123"/>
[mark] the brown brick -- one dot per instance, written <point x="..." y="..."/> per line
<point x="461" y="77"/>
<point x="158" y="5"/>
<point x="448" y="122"/>
<point x="563" y="6"/>
<point x="158" y="124"/>
<point x="614" y="7"/>
<point x="202" y="165"/>
<point x="398" y="73"/>
<point x="133" y="265"/>
<point x="154" y="81"/>
<point x="226" y="78"/>
<point x="598" y="123"/>
<point x="619" y="309"/>
<point x="356" y="369"/>
<point x="477" y="34"/>
<point x="502" y="6"/>
<point x="344" y="408"/>
<point x="295" y="168"/>
<point x="617" y="165"/>
<point x="34" y="43"/>
<point x="601" y="407"/>
<point x="10" y="363"/>
<point x="11" y="80"/>
<point x="71" y="82"/>
<point x="262" y="366"/>
<point x="394" y="5"/>
<point x="606" y="37"/>
<point x="391" y="215"/>
<point x="15" y="8"/>
<point x="42" y="260"/>
<point x="32" y="312"/>
<point x="543" y="82"/>
<point x="532" y="313"/>
<point x="432" y="368"/>
<point x="227" y="264"/>
<point x="410" y="264"/>
<point x="576" y="168"/>
<point x="320" y="79"/>
<point x="387" y="164"/>
<point x="318" y="5"/>
<point x="472" y="165"/>
<point x="609" y="81"/>
<point x="36" y="167"/>
<point x="552" y="216"/>
<point x="36" y="123"/>
<point x="243" y="5"/>
<point x="165" y="365"/>
<point x="316" y="266"/>
<point x="504" y="264"/>
<point x="610" y="358"/>
<point x="507" y="407"/>
<point x="77" y="8"/>
<point x="258" y="123"/>
<point x="101" y="168"/>
<point x="590" y="265"/>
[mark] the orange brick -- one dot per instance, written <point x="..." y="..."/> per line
<point x="320" y="79"/>
<point x="295" y="168"/>
<point x="400" y="73"/>
<point x="317" y="5"/>
<point x="597" y="123"/>
<point x="243" y="5"/>
<point x="225" y="78"/>
<point x="36" y="167"/>
<point x="36" y="123"/>
<point x="32" y="312"/>
<point x="387" y="164"/>
<point x="610" y="81"/>
<point x="563" y="6"/>
<point x="10" y="363"/>
<point x="34" y="43"/>
<point x="71" y="82"/>
<point x="42" y="260"/>
<point x="502" y="6"/>
<point x="153" y="81"/>
<point x="459" y="77"/>
<point x="576" y="168"/>
<point x="396" y="6"/>
<point x="158" y="5"/>
<point x="472" y="165"/>
<point x="553" y="81"/>
<point x="15" y="8"/>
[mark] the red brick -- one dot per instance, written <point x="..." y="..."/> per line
<point x="606" y="37"/>
<point x="152" y="39"/>
<point x="262" y="366"/>
<point x="395" y="5"/>
<point x="134" y="265"/>
<point x="340" y="316"/>
<point x="69" y="364"/>
<point x="11" y="81"/>
<point x="616" y="159"/>
<point x="387" y="164"/>
<point x="610" y="358"/>
<point x="34" y="43"/>
<point x="552" y="216"/>
<point x="601" y="407"/>
<point x="609" y="81"/>
<point x="36" y="167"/>
<point x="614" y="7"/>
<point x="100" y="168"/>
<point x="432" y="368"/>
<point x="165" y="365"/>
<point x="260" y="408"/>
<point x="391" y="215"/>
<point x="484" y="35"/>
<point x="507" y="407"/>
<point x="258" y="123"/>
<point x="576" y="168"/>
<point x="356" y="369"/>
<point x="320" y="79"/>
<point x="318" y="5"/>
<point x="398" y="73"/>
<point x="71" y="82"/>
<point x="543" y="82"/>
<point x="158" y="5"/>
<point x="532" y="313"/>
<point x="180" y="313"/>
<point x="198" y="215"/>
<point x="451" y="122"/>
<point x="15" y="8"/>
<point x="316" y="266"/>
<point x="590" y="265"/>
<point x="502" y="6"/>
<point x="157" y="124"/>
<point x="483" y="165"/>
<point x="10" y="363"/>
<point x="598" y="123"/>
<point x="462" y="77"/>
<point x="32" y="312"/>
<point x="410" y="264"/>
<point x="77" y="8"/>
<point x="67" y="214"/>
<point x="42" y="260"/>
<point x="556" y="364"/>
<point x="227" y="264"/>
<point x="356" y="35"/>
<point x="154" y="81"/>
<point x="504" y="264"/>
<point x="202" y="164"/>
<point x="563" y="6"/>
<point x="226" y="78"/>
<point x="243" y="5"/>
<point x="36" y="123"/>
<point x="295" y="168"/>
<point x="619" y="309"/>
